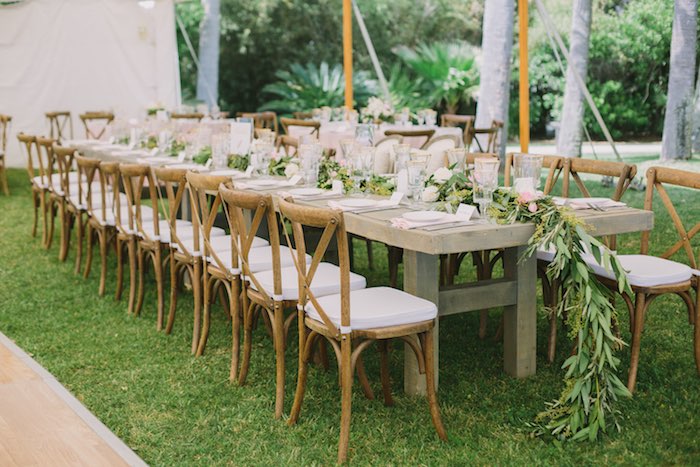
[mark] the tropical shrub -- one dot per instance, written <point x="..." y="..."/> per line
<point x="304" y="87"/>
<point x="448" y="71"/>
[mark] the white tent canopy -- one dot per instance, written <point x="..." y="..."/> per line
<point x="81" y="55"/>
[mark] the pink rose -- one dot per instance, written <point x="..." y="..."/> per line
<point x="526" y="197"/>
<point x="532" y="207"/>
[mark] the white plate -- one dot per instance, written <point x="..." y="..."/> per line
<point x="263" y="182"/>
<point x="423" y="216"/>
<point x="357" y="202"/>
<point x="226" y="172"/>
<point x="305" y="191"/>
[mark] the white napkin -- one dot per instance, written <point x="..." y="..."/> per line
<point x="387" y="203"/>
<point x="233" y="173"/>
<point x="405" y="224"/>
<point x="581" y="203"/>
<point x="291" y="182"/>
<point x="157" y="160"/>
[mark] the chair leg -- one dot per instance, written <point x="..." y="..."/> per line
<point x="639" y="310"/>
<point x="247" y="339"/>
<point x="696" y="326"/>
<point x="120" y="269"/>
<point x="302" y="373"/>
<point x="44" y="233"/>
<point x="79" y="240"/>
<point x="346" y="398"/>
<point x="90" y="240"/>
<point x="102" y="236"/>
<point x="384" y="371"/>
<point x="52" y="222"/>
<point x="141" y="266"/>
<point x="3" y="179"/>
<point x="35" y="200"/>
<point x="65" y="232"/>
<point x="160" y="289"/>
<point x="131" y="250"/>
<point x="173" y="292"/>
<point x="430" y="384"/>
<point x="278" y="335"/>
<point x="205" y="321"/>
<point x="362" y="378"/>
<point x="197" y="293"/>
<point x="235" y="307"/>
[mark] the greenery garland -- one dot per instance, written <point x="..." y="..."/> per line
<point x="238" y="161"/>
<point x="585" y="407"/>
<point x="331" y="170"/>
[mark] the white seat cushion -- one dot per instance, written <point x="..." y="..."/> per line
<point x="260" y="259"/>
<point x="218" y="243"/>
<point x="185" y="230"/>
<point x="646" y="271"/>
<point x="326" y="281"/>
<point x="72" y="178"/>
<point x="39" y="182"/>
<point x="96" y="200"/>
<point x="108" y="219"/>
<point x="376" y="307"/>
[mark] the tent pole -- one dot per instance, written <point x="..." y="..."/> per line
<point x="523" y="81"/>
<point x="347" y="51"/>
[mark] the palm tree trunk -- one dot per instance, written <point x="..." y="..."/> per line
<point x="494" y="81"/>
<point x="208" y="73"/>
<point x="681" y="80"/>
<point x="571" y="127"/>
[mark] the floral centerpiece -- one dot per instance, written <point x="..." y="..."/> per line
<point x="447" y="188"/>
<point x="377" y="111"/>
<point x="151" y="142"/>
<point x="202" y="156"/>
<point x="331" y="170"/>
<point x="176" y="147"/>
<point x="285" y="165"/>
<point x="238" y="161"/>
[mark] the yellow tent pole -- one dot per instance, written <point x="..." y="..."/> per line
<point x="523" y="81"/>
<point x="347" y="51"/>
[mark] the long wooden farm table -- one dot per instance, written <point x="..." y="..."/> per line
<point x="515" y="292"/>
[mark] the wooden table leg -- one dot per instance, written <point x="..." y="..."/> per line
<point x="520" y="320"/>
<point x="421" y="278"/>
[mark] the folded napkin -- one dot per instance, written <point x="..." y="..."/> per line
<point x="233" y="173"/>
<point x="280" y="183"/>
<point x="405" y="224"/>
<point x="325" y="194"/>
<point x="583" y="203"/>
<point x="339" y="207"/>
<point x="157" y="160"/>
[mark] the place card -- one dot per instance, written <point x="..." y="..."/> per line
<point x="209" y="162"/>
<point x="396" y="198"/>
<point x="248" y="172"/>
<point x="241" y="134"/>
<point x="294" y="180"/>
<point x="181" y="156"/>
<point x="465" y="211"/>
<point x="337" y="186"/>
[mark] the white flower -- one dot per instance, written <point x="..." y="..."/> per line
<point x="430" y="194"/>
<point x="442" y="174"/>
<point x="291" y="170"/>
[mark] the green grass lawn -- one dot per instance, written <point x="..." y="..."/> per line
<point x="174" y="409"/>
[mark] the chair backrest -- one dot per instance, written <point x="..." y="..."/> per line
<point x="453" y="120"/>
<point x="237" y="202"/>
<point x="383" y="155"/>
<point x="107" y="175"/>
<point x="64" y="156"/>
<point x="333" y="224"/>
<point x="288" y="143"/>
<point x="657" y="180"/>
<point x="267" y="119"/>
<point x="574" y="166"/>
<point x="175" y="182"/>
<point x="205" y="203"/>
<point x="31" y="151"/>
<point x="135" y="178"/>
<point x="427" y="134"/>
<point x="554" y="165"/>
<point x="5" y="122"/>
<point x="195" y="116"/>
<point x="45" y="146"/>
<point x="96" y="123"/>
<point x="313" y="126"/>
<point x="303" y="115"/>
<point x="58" y="121"/>
<point x="437" y="148"/>
<point x="492" y="134"/>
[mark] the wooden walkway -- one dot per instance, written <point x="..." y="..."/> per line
<point x="42" y="424"/>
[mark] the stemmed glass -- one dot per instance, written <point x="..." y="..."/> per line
<point x="356" y="167"/>
<point x="458" y="158"/>
<point x="527" y="170"/>
<point x="310" y="156"/>
<point x="367" y="153"/>
<point x="261" y="152"/>
<point x="220" y="150"/>
<point x="416" y="178"/>
<point x="485" y="182"/>
<point x="364" y="134"/>
<point x="346" y="147"/>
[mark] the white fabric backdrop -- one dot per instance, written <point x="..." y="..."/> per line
<point x="83" y="55"/>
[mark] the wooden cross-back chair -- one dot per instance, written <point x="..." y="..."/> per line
<point x="427" y="134"/>
<point x="267" y="119"/>
<point x="437" y="147"/>
<point x="5" y="121"/>
<point x="290" y="122"/>
<point x="219" y="265"/>
<point x="492" y="133"/>
<point x="653" y="276"/>
<point x="96" y="123"/>
<point x="453" y="120"/>
<point x="573" y="169"/>
<point x="150" y="233"/>
<point x="72" y="208"/>
<point x="184" y="256"/>
<point x="52" y="178"/>
<point x="38" y="182"/>
<point x="269" y="276"/>
<point x="60" y="124"/>
<point x="353" y="319"/>
<point x="194" y="116"/>
<point x="289" y="144"/>
<point x="303" y="115"/>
